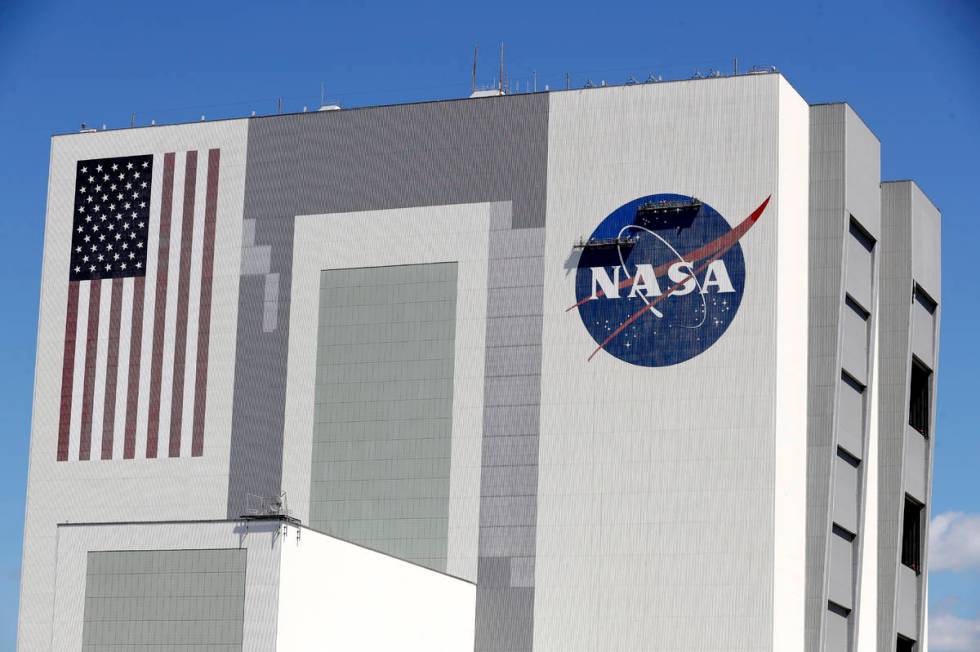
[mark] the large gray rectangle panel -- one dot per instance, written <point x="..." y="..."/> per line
<point x="164" y="600"/>
<point x="382" y="434"/>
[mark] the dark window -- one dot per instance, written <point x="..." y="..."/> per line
<point x="922" y="298"/>
<point x="853" y="304"/>
<point x="919" y="397"/>
<point x="905" y="644"/>
<point x="845" y="455"/>
<point x="861" y="234"/>
<point x="846" y="535"/>
<point x="843" y="612"/>
<point x="912" y="534"/>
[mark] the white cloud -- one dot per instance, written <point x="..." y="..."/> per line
<point x="949" y="633"/>
<point x="954" y="542"/>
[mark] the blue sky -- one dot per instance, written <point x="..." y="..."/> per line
<point x="910" y="69"/>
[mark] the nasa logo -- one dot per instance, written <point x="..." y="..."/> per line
<point x="661" y="279"/>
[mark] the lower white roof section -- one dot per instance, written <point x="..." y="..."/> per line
<point x="334" y="595"/>
<point x="303" y="590"/>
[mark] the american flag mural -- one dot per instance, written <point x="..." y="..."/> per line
<point x="137" y="330"/>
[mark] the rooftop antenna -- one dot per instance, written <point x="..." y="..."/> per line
<point x="568" y="80"/>
<point x="132" y="120"/>
<point x="535" y="75"/>
<point x="735" y="67"/>
<point x="321" y="93"/>
<point x="476" y="49"/>
<point x="500" y="81"/>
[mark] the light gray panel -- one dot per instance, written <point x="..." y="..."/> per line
<point x="850" y="418"/>
<point x="841" y="586"/>
<point x="509" y="477"/>
<point x="916" y="453"/>
<point x="164" y="599"/>
<point x="838" y="634"/>
<point x="846" y="498"/>
<point x="383" y="416"/>
<point x="908" y="608"/>
<point x="860" y="270"/>
<point x="854" y="348"/>
<point x="926" y="232"/>
<point x="863" y="169"/>
<point x="923" y="334"/>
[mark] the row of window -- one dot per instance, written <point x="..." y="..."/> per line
<point x="920" y="409"/>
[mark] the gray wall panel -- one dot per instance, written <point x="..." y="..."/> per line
<point x="382" y="436"/>
<point x="854" y="354"/>
<point x="860" y="271"/>
<point x="850" y="418"/>
<point x="365" y="159"/>
<point x="842" y="563"/>
<point x="509" y="479"/>
<point x="164" y="599"/>
<point x="846" y="495"/>
<point x="915" y="464"/>
<point x="863" y="153"/>
<point x="923" y="334"/>
<point x="908" y="611"/>
<point x="838" y="632"/>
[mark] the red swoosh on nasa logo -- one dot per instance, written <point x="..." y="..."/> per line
<point x="726" y="241"/>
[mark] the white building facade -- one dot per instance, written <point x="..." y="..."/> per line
<point x="638" y="368"/>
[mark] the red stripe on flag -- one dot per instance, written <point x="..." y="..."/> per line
<point x="135" y="349"/>
<point x="112" y="370"/>
<point x="91" y="348"/>
<point x="204" y="315"/>
<point x="68" y="371"/>
<point x="160" y="306"/>
<point x="183" y="290"/>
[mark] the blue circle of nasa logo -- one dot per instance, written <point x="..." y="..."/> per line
<point x="661" y="279"/>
